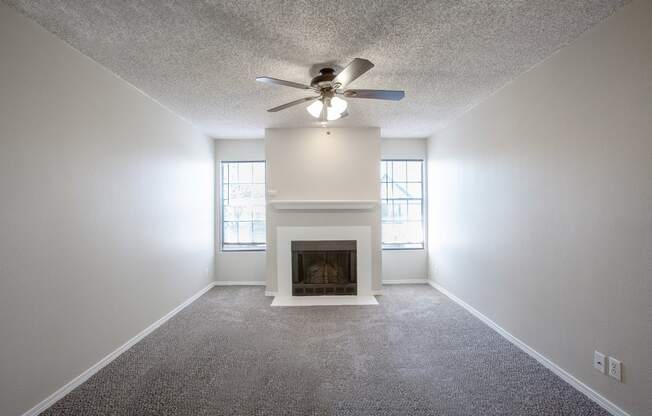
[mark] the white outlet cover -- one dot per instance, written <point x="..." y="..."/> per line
<point x="599" y="362"/>
<point x="614" y="368"/>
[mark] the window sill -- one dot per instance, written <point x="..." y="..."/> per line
<point x="242" y="249"/>
<point x="403" y="248"/>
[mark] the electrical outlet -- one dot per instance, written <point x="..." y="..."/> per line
<point x="614" y="368"/>
<point x="599" y="362"/>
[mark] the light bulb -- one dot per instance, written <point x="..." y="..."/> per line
<point x="315" y="108"/>
<point x="338" y="104"/>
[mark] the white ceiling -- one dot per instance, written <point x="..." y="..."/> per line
<point x="200" y="58"/>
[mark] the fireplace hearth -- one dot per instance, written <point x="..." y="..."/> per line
<point x="325" y="267"/>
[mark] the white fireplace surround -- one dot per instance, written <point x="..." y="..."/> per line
<point x="284" y="238"/>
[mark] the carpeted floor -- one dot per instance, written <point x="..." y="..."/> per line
<point x="418" y="353"/>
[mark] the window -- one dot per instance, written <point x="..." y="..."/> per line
<point x="243" y="205"/>
<point x="401" y="193"/>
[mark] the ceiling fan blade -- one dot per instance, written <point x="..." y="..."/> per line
<point x="353" y="70"/>
<point x="375" y="94"/>
<point x="291" y="103"/>
<point x="268" y="80"/>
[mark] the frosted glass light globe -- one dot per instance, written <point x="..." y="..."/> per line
<point x="338" y="105"/>
<point x="315" y="108"/>
<point x="332" y="115"/>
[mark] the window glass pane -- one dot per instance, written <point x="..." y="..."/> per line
<point x="225" y="193"/>
<point x="400" y="211"/>
<point x="414" y="171"/>
<point x="230" y="232"/>
<point x="259" y="232"/>
<point x="259" y="173"/>
<point x="388" y="171"/>
<point x="225" y="174"/>
<point x="233" y="173"/>
<point x="258" y="193"/>
<point x="240" y="195"/>
<point x="414" y="232"/>
<point x="388" y="231"/>
<point x="385" y="211"/>
<point x="399" y="190"/>
<point x="245" y="173"/>
<point x="245" y="232"/>
<point x="402" y="203"/>
<point x="414" y="190"/>
<point x="259" y="214"/>
<point x="230" y="213"/>
<point x="243" y="205"/>
<point x="399" y="173"/>
<point x="414" y="211"/>
<point x="245" y="213"/>
<point x="402" y="235"/>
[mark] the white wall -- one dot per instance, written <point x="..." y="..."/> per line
<point x="236" y="266"/>
<point x="541" y="206"/>
<point x="319" y="163"/>
<point x="310" y="164"/>
<point x="106" y="212"/>
<point x="404" y="265"/>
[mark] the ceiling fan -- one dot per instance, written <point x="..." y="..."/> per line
<point x="327" y="106"/>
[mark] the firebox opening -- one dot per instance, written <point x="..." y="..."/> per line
<point x="324" y="268"/>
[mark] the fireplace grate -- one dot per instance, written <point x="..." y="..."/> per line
<point x="327" y="289"/>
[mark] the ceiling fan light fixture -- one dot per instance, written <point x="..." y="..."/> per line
<point x="315" y="108"/>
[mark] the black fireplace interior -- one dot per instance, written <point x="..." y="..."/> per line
<point x="324" y="268"/>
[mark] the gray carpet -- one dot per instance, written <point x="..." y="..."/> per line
<point x="418" y="353"/>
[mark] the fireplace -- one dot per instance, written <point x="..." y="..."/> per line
<point x="325" y="267"/>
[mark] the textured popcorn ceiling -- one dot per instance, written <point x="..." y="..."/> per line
<point x="200" y="58"/>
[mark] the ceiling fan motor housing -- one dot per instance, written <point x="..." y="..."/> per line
<point x="324" y="79"/>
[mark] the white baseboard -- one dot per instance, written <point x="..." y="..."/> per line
<point x="238" y="283"/>
<point x="563" y="374"/>
<point x="75" y="382"/>
<point x="406" y="282"/>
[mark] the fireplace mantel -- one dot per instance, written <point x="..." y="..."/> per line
<point x="338" y="204"/>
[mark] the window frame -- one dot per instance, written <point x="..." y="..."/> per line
<point x="423" y="207"/>
<point x="245" y="246"/>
